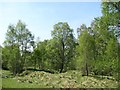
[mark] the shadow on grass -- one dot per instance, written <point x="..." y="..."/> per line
<point x="48" y="71"/>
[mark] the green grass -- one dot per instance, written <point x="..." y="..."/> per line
<point x="13" y="83"/>
<point x="70" y="79"/>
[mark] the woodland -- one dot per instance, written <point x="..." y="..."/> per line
<point x="64" y="60"/>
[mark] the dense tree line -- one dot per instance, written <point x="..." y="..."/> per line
<point x="95" y="51"/>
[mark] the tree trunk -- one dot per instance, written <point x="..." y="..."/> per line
<point x="86" y="69"/>
<point x="62" y="66"/>
<point x="94" y="49"/>
<point x="63" y="57"/>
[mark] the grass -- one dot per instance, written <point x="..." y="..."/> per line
<point x="13" y="83"/>
<point x="41" y="79"/>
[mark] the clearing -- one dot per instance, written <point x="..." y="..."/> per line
<point x="41" y="79"/>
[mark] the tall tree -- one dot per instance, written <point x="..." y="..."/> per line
<point x="64" y="41"/>
<point x="18" y="38"/>
<point x="24" y="39"/>
<point x="13" y="54"/>
<point x="111" y="11"/>
<point x="85" y="50"/>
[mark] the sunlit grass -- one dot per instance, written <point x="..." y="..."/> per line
<point x="70" y="79"/>
<point x="13" y="83"/>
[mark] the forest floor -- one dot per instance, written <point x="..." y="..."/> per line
<point x="41" y="79"/>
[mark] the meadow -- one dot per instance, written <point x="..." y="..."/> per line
<point x="42" y="79"/>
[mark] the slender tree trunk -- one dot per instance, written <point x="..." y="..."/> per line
<point x="86" y="69"/>
<point x="63" y="57"/>
<point x="62" y="66"/>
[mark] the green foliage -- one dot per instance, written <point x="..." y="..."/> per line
<point x="14" y="63"/>
<point x="16" y="44"/>
<point x="111" y="11"/>
<point x="94" y="52"/>
<point x="98" y="44"/>
<point x="40" y="55"/>
<point x="64" y="44"/>
<point x="85" y="49"/>
<point x="5" y="57"/>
